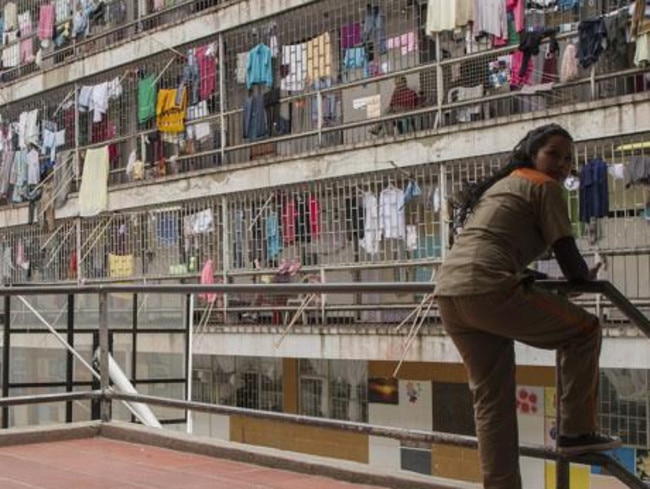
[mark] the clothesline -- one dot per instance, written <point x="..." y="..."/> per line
<point x="167" y="66"/>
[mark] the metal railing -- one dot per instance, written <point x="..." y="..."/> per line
<point x="105" y="395"/>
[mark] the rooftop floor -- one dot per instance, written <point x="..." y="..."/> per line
<point x="117" y="455"/>
<point x="100" y="463"/>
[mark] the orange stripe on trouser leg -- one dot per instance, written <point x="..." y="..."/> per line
<point x="579" y="361"/>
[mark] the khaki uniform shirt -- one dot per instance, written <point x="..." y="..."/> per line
<point x="514" y="222"/>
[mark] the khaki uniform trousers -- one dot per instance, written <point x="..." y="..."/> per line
<point x="484" y="328"/>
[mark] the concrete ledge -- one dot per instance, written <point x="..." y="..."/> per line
<point x="46" y="434"/>
<point x="268" y="457"/>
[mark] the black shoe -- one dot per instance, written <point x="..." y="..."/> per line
<point x="592" y="442"/>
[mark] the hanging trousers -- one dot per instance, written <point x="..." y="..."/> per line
<point x="484" y="329"/>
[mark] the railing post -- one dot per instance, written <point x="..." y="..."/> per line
<point x="562" y="473"/>
<point x="592" y="81"/>
<point x="319" y="112"/>
<point x="226" y="255"/>
<point x="189" y="364"/>
<point x="104" y="379"/>
<point x="440" y="84"/>
<point x="444" y="224"/>
<point x="222" y="100"/>
<point x="77" y="126"/>
<point x="77" y="224"/>
<point x="69" y="374"/>
<point x="5" y="358"/>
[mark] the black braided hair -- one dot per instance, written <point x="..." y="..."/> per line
<point x="520" y="157"/>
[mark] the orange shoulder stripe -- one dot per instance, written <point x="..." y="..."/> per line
<point x="532" y="175"/>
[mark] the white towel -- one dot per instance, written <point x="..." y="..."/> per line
<point x="93" y="193"/>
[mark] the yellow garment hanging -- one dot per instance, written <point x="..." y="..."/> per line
<point x="169" y="116"/>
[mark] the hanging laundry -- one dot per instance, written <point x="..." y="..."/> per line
<point x="11" y="53"/>
<point x="446" y="15"/>
<point x="198" y="223"/>
<point x="99" y="101"/>
<point x="18" y="177"/>
<point x="406" y="43"/>
<point x="328" y="102"/>
<point x="5" y="170"/>
<point x="64" y="175"/>
<point x="26" y="41"/>
<point x="355" y="59"/>
<point x="207" y="278"/>
<point x="33" y="167"/>
<point x="616" y="49"/>
<point x="551" y="55"/>
<point x="569" y="69"/>
<point x="642" y="51"/>
<point x="592" y="38"/>
<point x="301" y="219"/>
<point x="319" y="58"/>
<point x="518" y="9"/>
<point x="120" y="266"/>
<point x="146" y="98"/>
<point x="528" y="47"/>
<point x="259" y="67"/>
<point x="255" y="118"/>
<point x="46" y="22"/>
<point x="170" y="116"/>
<point x="294" y="63"/>
<point x="638" y="171"/>
<point x="198" y="131"/>
<point x="392" y="222"/>
<point x="491" y="18"/>
<point x="273" y="246"/>
<point x="373" y="34"/>
<point x="240" y="68"/>
<point x="62" y="10"/>
<point x="93" y="192"/>
<point x="10" y="16"/>
<point x="207" y="70"/>
<point x="190" y="80"/>
<point x="350" y="35"/>
<point x="371" y="232"/>
<point x="594" y="192"/>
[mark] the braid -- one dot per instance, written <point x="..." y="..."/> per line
<point x="520" y="157"/>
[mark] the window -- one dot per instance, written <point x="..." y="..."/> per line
<point x="334" y="389"/>
<point x="623" y="409"/>
<point x="253" y="383"/>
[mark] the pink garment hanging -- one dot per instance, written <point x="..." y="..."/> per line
<point x="207" y="72"/>
<point x="518" y="8"/>
<point x="207" y="278"/>
<point x="46" y="22"/>
<point x="26" y="40"/>
<point x="314" y="217"/>
<point x="350" y="35"/>
<point x="518" y="11"/>
<point x="289" y="221"/>
<point x="516" y="63"/>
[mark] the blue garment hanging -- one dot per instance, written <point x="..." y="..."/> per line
<point x="594" y="191"/>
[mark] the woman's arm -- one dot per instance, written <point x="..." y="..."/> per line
<point x="570" y="260"/>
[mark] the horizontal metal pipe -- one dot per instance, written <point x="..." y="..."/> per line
<point x="48" y="398"/>
<point x="598" y="286"/>
<point x="401" y="434"/>
<point x="291" y="288"/>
